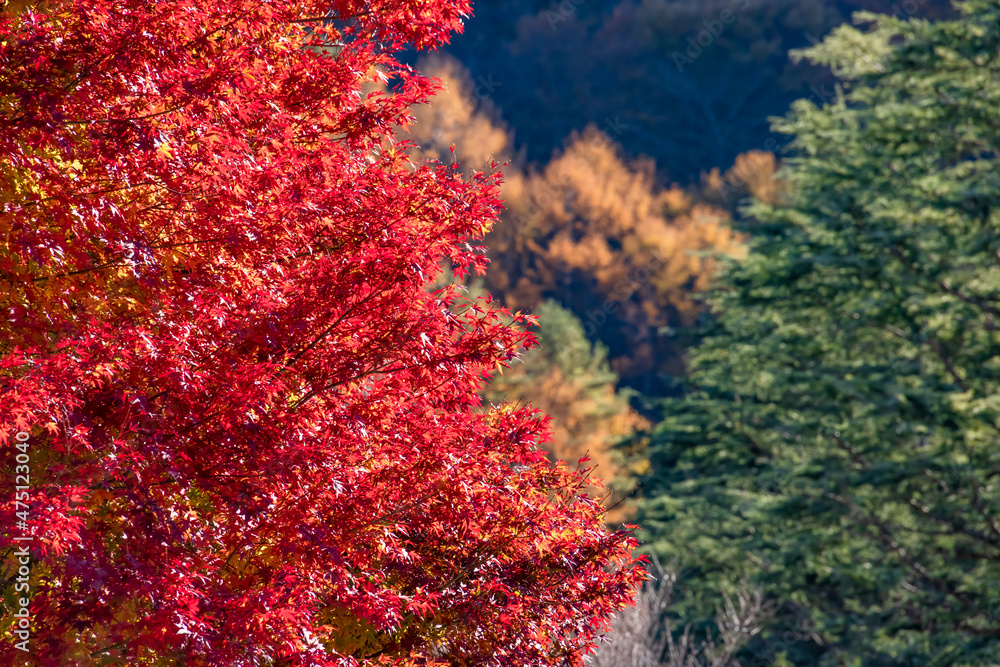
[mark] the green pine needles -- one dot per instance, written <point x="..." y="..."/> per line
<point x="839" y="439"/>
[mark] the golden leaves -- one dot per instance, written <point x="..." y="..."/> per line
<point x="591" y="211"/>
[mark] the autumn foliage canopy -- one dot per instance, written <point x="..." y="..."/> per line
<point x="256" y="437"/>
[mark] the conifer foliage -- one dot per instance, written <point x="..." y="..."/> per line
<point x="839" y="437"/>
<point x="255" y="435"/>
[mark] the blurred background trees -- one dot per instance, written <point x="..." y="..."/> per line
<point x="570" y="379"/>
<point x="557" y="67"/>
<point x="592" y="229"/>
<point x="633" y="134"/>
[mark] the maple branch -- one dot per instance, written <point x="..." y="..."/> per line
<point x="611" y="493"/>
<point x="87" y="194"/>
<point x="330" y="17"/>
<point x="481" y="551"/>
<point x="287" y="261"/>
<point x="460" y="356"/>
<point x="123" y="120"/>
<point x="381" y="519"/>
<point x="167" y="246"/>
<point x="380" y="369"/>
<point x="106" y="265"/>
<point x="327" y="331"/>
<point x="209" y="34"/>
<point x="109" y="648"/>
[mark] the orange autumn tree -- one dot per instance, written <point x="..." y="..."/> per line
<point x="255" y="437"/>
<point x="753" y="174"/>
<point x="597" y="233"/>
<point x="462" y="116"/>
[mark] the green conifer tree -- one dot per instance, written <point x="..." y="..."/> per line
<point x="839" y="441"/>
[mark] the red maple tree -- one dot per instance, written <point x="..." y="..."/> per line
<point x="255" y="437"/>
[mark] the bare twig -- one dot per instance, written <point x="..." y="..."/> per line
<point x="642" y="636"/>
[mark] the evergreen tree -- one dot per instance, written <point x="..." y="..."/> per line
<point x="838" y="438"/>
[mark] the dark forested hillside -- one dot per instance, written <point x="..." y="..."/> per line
<point x="690" y="83"/>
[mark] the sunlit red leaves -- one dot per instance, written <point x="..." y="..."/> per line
<point x="250" y="420"/>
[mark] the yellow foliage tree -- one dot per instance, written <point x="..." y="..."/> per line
<point x="597" y="233"/>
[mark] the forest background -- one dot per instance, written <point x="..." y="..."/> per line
<point x="631" y="133"/>
<point x="634" y="136"/>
